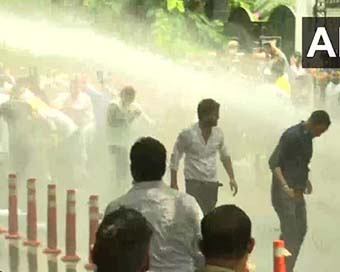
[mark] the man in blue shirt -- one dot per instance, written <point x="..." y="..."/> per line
<point x="289" y="164"/>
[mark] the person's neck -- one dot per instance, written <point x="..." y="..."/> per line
<point x="204" y="127"/>
<point x="234" y="265"/>
<point x="307" y="126"/>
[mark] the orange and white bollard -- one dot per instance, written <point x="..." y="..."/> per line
<point x="32" y="258"/>
<point x="31" y="214"/>
<point x="280" y="254"/>
<point x="12" y="208"/>
<point x="71" y="241"/>
<point x="94" y="222"/>
<point x="52" y="237"/>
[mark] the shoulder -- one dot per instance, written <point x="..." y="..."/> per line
<point x="188" y="131"/>
<point x="114" y="205"/>
<point x="291" y="133"/>
<point x="189" y="204"/>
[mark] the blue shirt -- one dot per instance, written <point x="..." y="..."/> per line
<point x="293" y="155"/>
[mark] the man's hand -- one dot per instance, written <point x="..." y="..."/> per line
<point x="174" y="183"/>
<point x="233" y="186"/>
<point x="309" y="188"/>
<point x="289" y="191"/>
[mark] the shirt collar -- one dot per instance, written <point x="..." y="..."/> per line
<point x="305" y="131"/>
<point x="148" y="184"/>
<point x="213" y="268"/>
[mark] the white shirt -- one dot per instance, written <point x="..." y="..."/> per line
<point x="175" y="218"/>
<point x="79" y="109"/>
<point x="200" y="157"/>
<point x="119" y="120"/>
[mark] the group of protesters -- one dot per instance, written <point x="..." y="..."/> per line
<point x="56" y="121"/>
<point x="59" y="123"/>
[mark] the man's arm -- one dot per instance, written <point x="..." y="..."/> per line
<point x="276" y="159"/>
<point x="176" y="157"/>
<point x="228" y="166"/>
<point x="194" y="217"/>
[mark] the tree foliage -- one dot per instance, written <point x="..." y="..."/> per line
<point x="263" y="7"/>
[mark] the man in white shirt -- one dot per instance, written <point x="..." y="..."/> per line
<point x="120" y="116"/>
<point x="78" y="106"/>
<point x="200" y="144"/>
<point x="175" y="216"/>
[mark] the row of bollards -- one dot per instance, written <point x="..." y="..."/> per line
<point x="31" y="240"/>
<point x="52" y="250"/>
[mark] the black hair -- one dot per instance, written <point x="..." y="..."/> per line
<point x="128" y="90"/>
<point x="122" y="241"/>
<point x="207" y="106"/>
<point x="226" y="233"/>
<point x="148" y="160"/>
<point x="320" y="117"/>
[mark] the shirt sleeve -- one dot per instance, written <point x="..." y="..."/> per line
<point x="195" y="216"/>
<point x="178" y="151"/>
<point x="287" y="143"/>
<point x="224" y="154"/>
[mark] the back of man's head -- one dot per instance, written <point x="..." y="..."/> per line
<point x="148" y="160"/>
<point x="320" y="117"/>
<point x="122" y="242"/>
<point x="226" y="234"/>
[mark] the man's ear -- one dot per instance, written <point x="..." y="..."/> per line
<point x="251" y="245"/>
<point x="146" y="264"/>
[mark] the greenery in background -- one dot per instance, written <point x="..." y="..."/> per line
<point x="171" y="27"/>
<point x="264" y="7"/>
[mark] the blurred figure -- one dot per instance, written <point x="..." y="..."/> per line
<point x="300" y="80"/>
<point x="120" y="116"/>
<point x="289" y="164"/>
<point x="280" y="77"/>
<point x="175" y="216"/>
<point x="226" y="239"/>
<point x="122" y="242"/>
<point x="233" y="57"/>
<point x="321" y="80"/>
<point x="78" y="106"/>
<point x="200" y="144"/>
<point x="18" y="115"/>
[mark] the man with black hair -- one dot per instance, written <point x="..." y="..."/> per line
<point x="289" y="164"/>
<point x="200" y="144"/>
<point x="175" y="216"/>
<point x="122" y="242"/>
<point x="226" y="239"/>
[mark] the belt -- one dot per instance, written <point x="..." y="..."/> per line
<point x="205" y="182"/>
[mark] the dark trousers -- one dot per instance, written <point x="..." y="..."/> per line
<point x="204" y="192"/>
<point x="293" y="221"/>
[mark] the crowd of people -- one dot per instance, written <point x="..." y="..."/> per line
<point x="59" y="122"/>
<point x="70" y="120"/>
<point x="269" y="64"/>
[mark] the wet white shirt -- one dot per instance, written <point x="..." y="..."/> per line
<point x="200" y="157"/>
<point x="175" y="218"/>
<point x="119" y="120"/>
